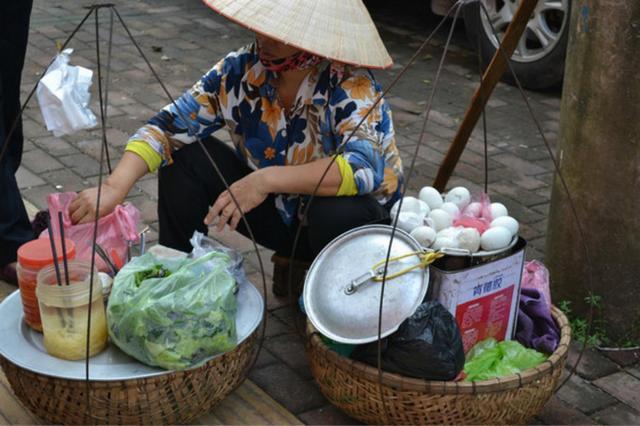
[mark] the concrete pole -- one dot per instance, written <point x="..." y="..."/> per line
<point x="599" y="154"/>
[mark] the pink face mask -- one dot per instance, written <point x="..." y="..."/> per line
<point x="298" y="61"/>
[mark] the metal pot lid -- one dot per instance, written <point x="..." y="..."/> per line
<point x="348" y="316"/>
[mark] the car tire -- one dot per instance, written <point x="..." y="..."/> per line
<point x="544" y="72"/>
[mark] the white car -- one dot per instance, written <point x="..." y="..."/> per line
<point x="539" y="57"/>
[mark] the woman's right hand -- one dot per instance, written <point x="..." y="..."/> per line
<point x="83" y="208"/>
<point x="116" y="187"/>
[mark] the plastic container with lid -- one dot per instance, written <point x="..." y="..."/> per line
<point x="32" y="257"/>
<point x="65" y="310"/>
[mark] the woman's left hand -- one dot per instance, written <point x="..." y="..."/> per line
<point x="249" y="192"/>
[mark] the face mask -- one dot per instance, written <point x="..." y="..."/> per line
<point x="298" y="61"/>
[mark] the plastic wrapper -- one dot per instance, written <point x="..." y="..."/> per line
<point x="114" y="230"/>
<point x="476" y="215"/>
<point x="427" y="345"/>
<point x="174" y="315"/>
<point x="535" y="275"/>
<point x="63" y="95"/>
<point x="490" y="358"/>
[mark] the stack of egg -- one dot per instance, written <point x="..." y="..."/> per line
<point x="455" y="221"/>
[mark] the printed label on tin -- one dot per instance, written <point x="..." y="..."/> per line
<point x="483" y="299"/>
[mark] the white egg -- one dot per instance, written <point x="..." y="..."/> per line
<point x="408" y="221"/>
<point x="424" y="235"/>
<point x="460" y="196"/>
<point x="411" y="205"/>
<point x="498" y="210"/>
<point x="508" y="222"/>
<point x="495" y="238"/>
<point x="450" y="208"/>
<point x="431" y="196"/>
<point x="440" y="219"/>
<point x="469" y="239"/>
<point x="444" y="242"/>
<point x="450" y="232"/>
<point x="473" y="209"/>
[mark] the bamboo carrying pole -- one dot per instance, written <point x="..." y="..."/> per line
<point x="490" y="78"/>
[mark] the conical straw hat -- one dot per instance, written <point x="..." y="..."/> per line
<point x="341" y="30"/>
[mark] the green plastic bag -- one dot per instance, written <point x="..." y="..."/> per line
<point x="489" y="359"/>
<point x="173" y="314"/>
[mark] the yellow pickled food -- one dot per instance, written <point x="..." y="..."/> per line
<point x="65" y="331"/>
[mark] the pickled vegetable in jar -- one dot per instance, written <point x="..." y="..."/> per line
<point x="33" y="256"/>
<point x="64" y="311"/>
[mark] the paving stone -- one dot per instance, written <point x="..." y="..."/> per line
<point x="593" y="365"/>
<point x="580" y="393"/>
<point x="618" y="414"/>
<point x="54" y="146"/>
<point x="634" y="372"/>
<point x="273" y="301"/>
<point x="624" y="358"/>
<point x="287" y="388"/>
<point x="623" y="386"/>
<point x="265" y="358"/>
<point x="327" y="415"/>
<point x="82" y="164"/>
<point x="275" y="327"/>
<point x="519" y="164"/>
<point x="65" y="180"/>
<point x="557" y="412"/>
<point x="289" y="348"/>
<point x="148" y="208"/>
<point x="39" y="161"/>
<point x="149" y="187"/>
<point x="291" y="315"/>
<point x="37" y="195"/>
<point x="26" y="179"/>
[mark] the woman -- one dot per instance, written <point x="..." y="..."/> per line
<point x="288" y="106"/>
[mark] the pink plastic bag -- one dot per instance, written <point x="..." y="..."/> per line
<point x="476" y="215"/>
<point x="536" y="275"/>
<point x="114" y="230"/>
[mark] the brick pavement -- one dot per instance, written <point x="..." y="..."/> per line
<point x="183" y="39"/>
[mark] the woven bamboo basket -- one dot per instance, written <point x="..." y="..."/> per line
<point x="354" y="387"/>
<point x="172" y="398"/>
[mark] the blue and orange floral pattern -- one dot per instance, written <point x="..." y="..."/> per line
<point x="237" y="93"/>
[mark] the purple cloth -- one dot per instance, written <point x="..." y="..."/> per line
<point x="536" y="328"/>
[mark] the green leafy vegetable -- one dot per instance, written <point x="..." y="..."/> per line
<point x="175" y="314"/>
<point x="156" y="271"/>
<point x="489" y="359"/>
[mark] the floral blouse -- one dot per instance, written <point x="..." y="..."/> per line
<point x="237" y="93"/>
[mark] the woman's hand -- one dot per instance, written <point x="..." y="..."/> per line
<point x="83" y="208"/>
<point x="130" y="168"/>
<point x="249" y="192"/>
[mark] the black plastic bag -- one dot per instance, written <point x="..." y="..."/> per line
<point x="427" y="345"/>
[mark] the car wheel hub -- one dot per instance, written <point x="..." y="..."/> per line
<point x="543" y="31"/>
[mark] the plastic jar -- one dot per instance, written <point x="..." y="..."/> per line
<point x="65" y="309"/>
<point x="33" y="256"/>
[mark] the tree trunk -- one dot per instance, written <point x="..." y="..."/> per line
<point x="599" y="156"/>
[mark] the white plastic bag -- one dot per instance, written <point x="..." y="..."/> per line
<point x="63" y="95"/>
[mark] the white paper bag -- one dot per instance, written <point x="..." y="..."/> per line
<point x="63" y="95"/>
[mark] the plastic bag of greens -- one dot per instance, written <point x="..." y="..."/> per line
<point x="489" y="359"/>
<point x="173" y="314"/>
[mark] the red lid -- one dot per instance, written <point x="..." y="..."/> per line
<point x="37" y="253"/>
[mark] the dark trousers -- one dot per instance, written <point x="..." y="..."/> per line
<point x="15" y="228"/>
<point x="190" y="185"/>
